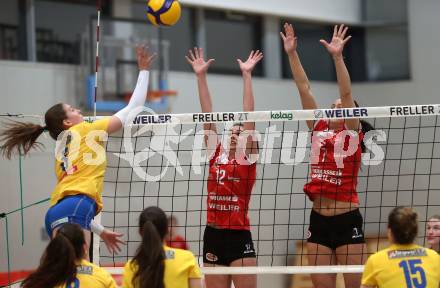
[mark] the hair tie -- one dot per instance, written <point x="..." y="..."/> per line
<point x="45" y="128"/>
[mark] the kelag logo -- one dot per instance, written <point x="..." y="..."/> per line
<point x="281" y="115"/>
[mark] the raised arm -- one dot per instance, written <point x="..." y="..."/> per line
<point x="248" y="95"/>
<point x="144" y="59"/>
<point x="299" y="75"/>
<point x="200" y="67"/>
<point x="335" y="48"/>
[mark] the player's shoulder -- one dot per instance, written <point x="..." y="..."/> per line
<point x="88" y="268"/>
<point x="432" y="253"/>
<point x="130" y="265"/>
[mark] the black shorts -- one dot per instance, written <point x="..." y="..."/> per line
<point x="336" y="231"/>
<point x="223" y="246"/>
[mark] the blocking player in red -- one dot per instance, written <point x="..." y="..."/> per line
<point x="335" y="233"/>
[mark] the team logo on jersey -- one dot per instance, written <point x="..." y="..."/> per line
<point x="169" y="254"/>
<point x="86" y="270"/>
<point x="356" y="234"/>
<point x="162" y="140"/>
<point x="211" y="257"/>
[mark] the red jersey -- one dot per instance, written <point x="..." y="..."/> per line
<point x="229" y="191"/>
<point x="327" y="179"/>
<point x="178" y="242"/>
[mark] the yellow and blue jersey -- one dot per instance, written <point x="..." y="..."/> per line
<point x="81" y="162"/>
<point x="89" y="275"/>
<point x="180" y="266"/>
<point x="403" y="266"/>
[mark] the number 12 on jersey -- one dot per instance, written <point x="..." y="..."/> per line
<point x="414" y="274"/>
<point x="220" y="176"/>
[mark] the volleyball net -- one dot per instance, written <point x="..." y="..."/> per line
<point x="162" y="161"/>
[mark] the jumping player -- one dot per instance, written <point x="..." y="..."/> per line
<point x="227" y="240"/>
<point x="81" y="161"/>
<point x="404" y="263"/>
<point x="64" y="263"/>
<point x="156" y="265"/>
<point x="335" y="233"/>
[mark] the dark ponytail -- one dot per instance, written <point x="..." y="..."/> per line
<point x="59" y="261"/>
<point x="21" y="137"/>
<point x="366" y="127"/>
<point x="150" y="256"/>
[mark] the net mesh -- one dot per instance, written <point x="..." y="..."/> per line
<point x="164" y="164"/>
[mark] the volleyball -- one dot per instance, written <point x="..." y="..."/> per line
<point x="163" y="12"/>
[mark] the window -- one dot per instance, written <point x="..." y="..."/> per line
<point x="9" y="30"/>
<point x="387" y="53"/>
<point x="376" y="53"/>
<point x="229" y="36"/>
<point x="316" y="61"/>
<point x="57" y="36"/>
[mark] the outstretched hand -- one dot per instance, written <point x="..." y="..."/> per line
<point x="144" y="57"/>
<point x="112" y="241"/>
<point x="197" y="61"/>
<point x="336" y="46"/>
<point x="253" y="59"/>
<point x="289" y="39"/>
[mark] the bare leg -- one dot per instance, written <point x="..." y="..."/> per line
<point x="246" y="280"/>
<point x="321" y="255"/>
<point x="87" y="237"/>
<point x="217" y="281"/>
<point x="352" y="254"/>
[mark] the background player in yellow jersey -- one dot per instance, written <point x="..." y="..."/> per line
<point x="404" y="263"/>
<point x="81" y="157"/>
<point x="63" y="264"/>
<point x="433" y="233"/>
<point x="156" y="265"/>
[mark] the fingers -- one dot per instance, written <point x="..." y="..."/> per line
<point x="346" y="39"/>
<point x="251" y="55"/>
<point x="191" y="54"/>
<point x="210" y="61"/>
<point x="258" y="55"/>
<point x="290" y="29"/>
<point x="344" y="32"/>
<point x="340" y="31"/>
<point x="152" y="57"/>
<point x="196" y="52"/>
<point x="325" y="43"/>
<point x="282" y="36"/>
